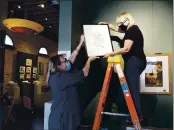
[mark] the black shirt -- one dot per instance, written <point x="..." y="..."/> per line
<point x="137" y="49"/>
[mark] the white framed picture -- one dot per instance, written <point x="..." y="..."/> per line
<point x="66" y="54"/>
<point x="97" y="40"/>
<point x="156" y="78"/>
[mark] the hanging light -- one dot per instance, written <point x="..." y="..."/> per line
<point x="43" y="51"/>
<point x="23" y="25"/>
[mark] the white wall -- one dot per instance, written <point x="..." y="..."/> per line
<point x="153" y="17"/>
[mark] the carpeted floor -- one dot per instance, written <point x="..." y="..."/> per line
<point x="26" y="120"/>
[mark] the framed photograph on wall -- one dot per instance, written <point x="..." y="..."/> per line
<point x="156" y="78"/>
<point x="66" y="54"/>
<point x="28" y="62"/>
<point x="34" y="76"/>
<point x="97" y="40"/>
<point x="28" y="76"/>
<point x="34" y="70"/>
<point x="22" y="69"/>
<point x="28" y="69"/>
<point x="22" y="76"/>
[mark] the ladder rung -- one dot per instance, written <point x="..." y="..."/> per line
<point x="114" y="114"/>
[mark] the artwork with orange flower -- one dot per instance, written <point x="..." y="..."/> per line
<point x="154" y="74"/>
<point x="156" y="78"/>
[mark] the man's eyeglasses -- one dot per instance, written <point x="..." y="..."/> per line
<point x="64" y="61"/>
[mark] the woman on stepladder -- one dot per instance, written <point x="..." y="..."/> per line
<point x="132" y="51"/>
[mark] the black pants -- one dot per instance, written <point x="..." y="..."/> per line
<point x="133" y="69"/>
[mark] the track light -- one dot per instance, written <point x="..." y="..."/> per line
<point x="42" y="5"/>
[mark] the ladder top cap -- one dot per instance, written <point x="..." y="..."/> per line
<point x="114" y="59"/>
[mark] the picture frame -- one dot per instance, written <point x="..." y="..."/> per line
<point x="22" y="69"/>
<point x="34" y="70"/>
<point x="28" y="69"/>
<point x="97" y="40"/>
<point x="157" y="78"/>
<point x="41" y="68"/>
<point x="28" y="62"/>
<point x="28" y="76"/>
<point x="34" y="76"/>
<point x="66" y="54"/>
<point x="22" y="76"/>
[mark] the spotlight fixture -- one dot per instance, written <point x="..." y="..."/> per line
<point x="42" y="5"/>
<point x="46" y="19"/>
<point x="19" y="6"/>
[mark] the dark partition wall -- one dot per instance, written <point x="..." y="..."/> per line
<point x="26" y="68"/>
<point x="2" y="54"/>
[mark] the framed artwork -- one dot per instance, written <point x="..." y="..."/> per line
<point x="156" y="78"/>
<point x="28" y="62"/>
<point x="34" y="70"/>
<point x="28" y="76"/>
<point x="34" y="76"/>
<point x="97" y="39"/>
<point x="22" y="69"/>
<point x="41" y="68"/>
<point x="22" y="76"/>
<point x="66" y="54"/>
<point x="28" y="69"/>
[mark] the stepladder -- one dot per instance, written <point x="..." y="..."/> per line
<point x="114" y="63"/>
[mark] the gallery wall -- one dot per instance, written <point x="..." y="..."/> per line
<point x="25" y="43"/>
<point x="155" y="20"/>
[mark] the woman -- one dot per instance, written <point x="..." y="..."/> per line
<point x="65" y="111"/>
<point x="132" y="51"/>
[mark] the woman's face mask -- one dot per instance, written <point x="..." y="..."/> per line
<point x="123" y="26"/>
<point x="68" y="65"/>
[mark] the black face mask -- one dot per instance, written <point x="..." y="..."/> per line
<point x="123" y="27"/>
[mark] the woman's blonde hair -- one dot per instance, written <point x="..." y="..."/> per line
<point x="123" y="17"/>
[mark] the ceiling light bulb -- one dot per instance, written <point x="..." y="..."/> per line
<point x="19" y="6"/>
<point x="46" y="19"/>
<point x="42" y="5"/>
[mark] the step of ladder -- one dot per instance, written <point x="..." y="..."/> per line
<point x="114" y="114"/>
<point x="131" y="128"/>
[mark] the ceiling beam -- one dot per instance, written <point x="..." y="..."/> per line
<point x="46" y="23"/>
<point x="44" y="12"/>
<point x="39" y="18"/>
<point x="43" y="20"/>
<point x="36" y="2"/>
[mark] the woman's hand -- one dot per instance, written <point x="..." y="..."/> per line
<point x="92" y="58"/>
<point x="107" y="55"/>
<point x="111" y="26"/>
